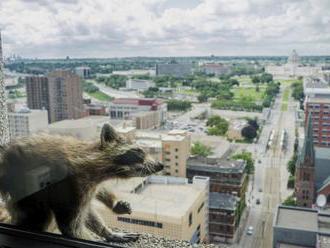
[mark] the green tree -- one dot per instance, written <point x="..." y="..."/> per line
<point x="178" y="105"/>
<point x="202" y="98"/>
<point x="217" y="125"/>
<point x="255" y="79"/>
<point x="266" y="78"/>
<point x="201" y="150"/>
<point x="290" y="201"/>
<point x="292" y="164"/>
<point x="247" y="157"/>
<point x="249" y="132"/>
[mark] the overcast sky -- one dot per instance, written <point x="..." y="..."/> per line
<point x="117" y="28"/>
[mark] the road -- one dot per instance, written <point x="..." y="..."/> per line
<point x="270" y="179"/>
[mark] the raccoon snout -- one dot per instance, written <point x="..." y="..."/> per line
<point x="159" y="167"/>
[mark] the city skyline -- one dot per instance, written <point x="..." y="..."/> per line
<point x="75" y="28"/>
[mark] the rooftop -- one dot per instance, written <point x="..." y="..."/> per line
<point x="82" y="122"/>
<point x="297" y="218"/>
<point x="171" y="199"/>
<point x="222" y="201"/>
<point x="322" y="153"/>
<point x="214" y="164"/>
<point x="138" y="101"/>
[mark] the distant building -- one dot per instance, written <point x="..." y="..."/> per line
<point x="215" y="68"/>
<point x="293" y="68"/>
<point x="95" y="109"/>
<point x="125" y="108"/>
<point x="37" y="91"/>
<point x="301" y="227"/>
<point x="174" y="69"/>
<point x="164" y="206"/>
<point x="139" y="84"/>
<point x="223" y="218"/>
<point x="26" y="122"/>
<point x="65" y="96"/>
<point x="146" y="120"/>
<point x="87" y="128"/>
<point x="225" y="176"/>
<point x="317" y="102"/>
<point x="84" y="72"/>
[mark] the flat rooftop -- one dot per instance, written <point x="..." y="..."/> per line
<point x="222" y="201"/>
<point x="88" y="121"/>
<point x="213" y="164"/>
<point x="164" y="200"/>
<point x="322" y="153"/>
<point x="297" y="218"/>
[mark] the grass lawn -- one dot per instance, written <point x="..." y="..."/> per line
<point x="285" y="99"/>
<point x="100" y="96"/>
<point x="286" y="82"/>
<point x="250" y="93"/>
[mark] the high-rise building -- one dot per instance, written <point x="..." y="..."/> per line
<point x="26" y="122"/>
<point x="176" y="150"/>
<point x="37" y="93"/>
<point x="305" y="169"/>
<point x="4" y="127"/>
<point x="317" y="102"/>
<point x="65" y="96"/>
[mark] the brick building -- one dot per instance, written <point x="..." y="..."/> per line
<point x="317" y="102"/>
<point x="126" y="108"/>
<point x="228" y="184"/>
<point x="225" y="176"/>
<point x="223" y="219"/>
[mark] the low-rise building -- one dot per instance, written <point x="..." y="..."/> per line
<point x="95" y="109"/>
<point x="223" y="218"/>
<point x="215" y="68"/>
<point x="301" y="227"/>
<point x="139" y="84"/>
<point x="164" y="206"/>
<point x="125" y="108"/>
<point x="87" y="128"/>
<point x="146" y="120"/>
<point x="174" y="69"/>
<point x="26" y="122"/>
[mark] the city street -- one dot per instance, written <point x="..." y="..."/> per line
<point x="270" y="179"/>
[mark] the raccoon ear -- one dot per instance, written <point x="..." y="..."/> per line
<point x="108" y="134"/>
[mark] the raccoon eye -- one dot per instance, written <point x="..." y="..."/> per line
<point x="131" y="156"/>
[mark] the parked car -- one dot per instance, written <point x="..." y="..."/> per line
<point x="249" y="230"/>
<point x="258" y="201"/>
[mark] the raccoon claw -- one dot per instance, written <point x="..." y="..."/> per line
<point x="122" y="207"/>
<point x="122" y="237"/>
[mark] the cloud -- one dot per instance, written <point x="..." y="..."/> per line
<point x="108" y="28"/>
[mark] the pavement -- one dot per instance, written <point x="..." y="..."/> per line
<point x="270" y="179"/>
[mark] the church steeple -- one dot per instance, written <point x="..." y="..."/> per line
<point x="307" y="153"/>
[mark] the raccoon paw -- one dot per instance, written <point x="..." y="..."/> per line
<point x="122" y="207"/>
<point x="122" y="237"/>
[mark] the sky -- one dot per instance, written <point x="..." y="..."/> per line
<point x="128" y="28"/>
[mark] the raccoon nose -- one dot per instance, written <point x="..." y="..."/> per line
<point x="159" y="166"/>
